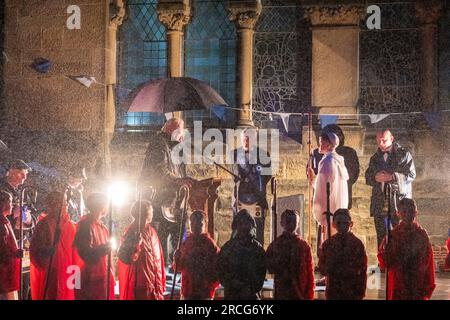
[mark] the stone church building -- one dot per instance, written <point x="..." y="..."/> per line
<point x="286" y="56"/>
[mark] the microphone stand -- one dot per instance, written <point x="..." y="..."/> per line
<point x="328" y="213"/>
<point x="387" y="195"/>
<point x="21" y="209"/>
<point x="274" y="206"/>
<point x="139" y="236"/>
<point x="110" y="224"/>
<point x="235" y="176"/>
<point x="236" y="179"/>
<point x="180" y="235"/>
<point x="21" y="244"/>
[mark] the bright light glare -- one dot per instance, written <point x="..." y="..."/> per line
<point x="113" y="243"/>
<point x="118" y="191"/>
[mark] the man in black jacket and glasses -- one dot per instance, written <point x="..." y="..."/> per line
<point x="391" y="164"/>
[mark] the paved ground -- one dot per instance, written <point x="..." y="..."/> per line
<point x="376" y="288"/>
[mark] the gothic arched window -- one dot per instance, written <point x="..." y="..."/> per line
<point x="210" y="55"/>
<point x="210" y="52"/>
<point x="142" y="57"/>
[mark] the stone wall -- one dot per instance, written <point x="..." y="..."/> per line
<point x="50" y="116"/>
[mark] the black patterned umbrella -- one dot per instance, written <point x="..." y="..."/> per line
<point x="174" y="94"/>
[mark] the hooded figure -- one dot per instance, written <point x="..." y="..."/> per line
<point x="350" y="158"/>
<point x="141" y="261"/>
<point x="242" y="263"/>
<point x="408" y="255"/>
<point x="93" y="246"/>
<point x="289" y="258"/>
<point x="62" y="255"/>
<point x="197" y="261"/>
<point x="343" y="260"/>
<point x="331" y="169"/>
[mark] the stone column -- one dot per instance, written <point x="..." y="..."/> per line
<point x="245" y="14"/>
<point x="115" y="21"/>
<point x="335" y="59"/>
<point x="428" y="13"/>
<point x="175" y="15"/>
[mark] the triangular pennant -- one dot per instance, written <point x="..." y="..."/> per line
<point x="169" y="115"/>
<point x="296" y="127"/>
<point x="86" y="81"/>
<point x="219" y="111"/>
<point x="41" y="65"/>
<point x="285" y="118"/>
<point x="6" y="56"/>
<point x="434" y="119"/>
<point x="374" y="118"/>
<point x="3" y="147"/>
<point x="327" y="119"/>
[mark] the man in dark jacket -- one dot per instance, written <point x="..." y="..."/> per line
<point x="76" y="206"/>
<point x="166" y="177"/>
<point x="391" y="164"/>
<point x="15" y="178"/>
<point x="253" y="167"/>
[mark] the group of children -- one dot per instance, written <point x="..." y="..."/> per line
<point x="240" y="265"/>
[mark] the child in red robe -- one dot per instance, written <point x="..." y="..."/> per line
<point x="408" y="255"/>
<point x="141" y="260"/>
<point x="343" y="261"/>
<point x="10" y="253"/>
<point x="93" y="246"/>
<point x="197" y="261"/>
<point x="289" y="258"/>
<point x="59" y="286"/>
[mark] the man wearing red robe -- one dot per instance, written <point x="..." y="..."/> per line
<point x="141" y="259"/>
<point x="10" y="253"/>
<point x="289" y="258"/>
<point x="197" y="261"/>
<point x="408" y="255"/>
<point x="343" y="261"/>
<point x="93" y="246"/>
<point x="59" y="284"/>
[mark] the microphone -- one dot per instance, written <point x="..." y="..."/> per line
<point x="259" y="169"/>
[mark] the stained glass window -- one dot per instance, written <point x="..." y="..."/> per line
<point x="390" y="72"/>
<point x="281" y="61"/>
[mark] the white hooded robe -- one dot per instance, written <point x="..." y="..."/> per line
<point x="331" y="169"/>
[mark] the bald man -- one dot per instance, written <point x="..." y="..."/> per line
<point x="391" y="164"/>
<point x="160" y="172"/>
